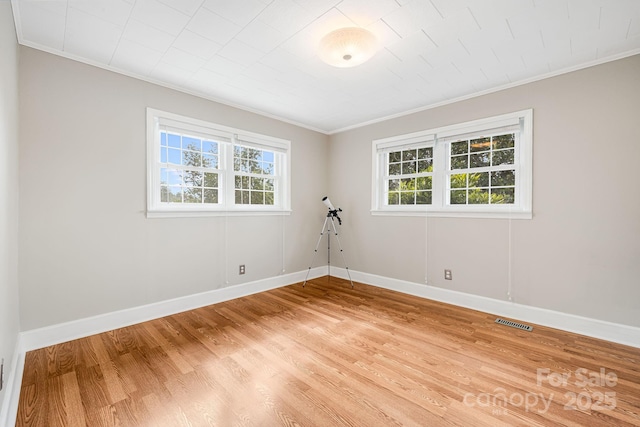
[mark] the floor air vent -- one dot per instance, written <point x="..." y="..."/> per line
<point x="514" y="324"/>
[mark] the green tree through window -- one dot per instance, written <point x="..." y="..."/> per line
<point x="188" y="172"/>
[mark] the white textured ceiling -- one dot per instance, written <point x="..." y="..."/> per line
<point x="261" y="55"/>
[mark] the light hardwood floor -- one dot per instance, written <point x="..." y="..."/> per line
<point x="329" y="355"/>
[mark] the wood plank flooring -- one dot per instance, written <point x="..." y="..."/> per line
<point x="329" y="355"/>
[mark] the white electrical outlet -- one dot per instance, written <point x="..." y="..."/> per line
<point x="241" y="270"/>
<point x="447" y="275"/>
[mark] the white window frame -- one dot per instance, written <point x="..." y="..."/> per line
<point x="228" y="138"/>
<point x="440" y="139"/>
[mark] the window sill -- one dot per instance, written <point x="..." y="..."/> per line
<point x="455" y="214"/>
<point x="168" y="213"/>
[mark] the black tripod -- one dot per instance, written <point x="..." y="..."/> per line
<point x="329" y="224"/>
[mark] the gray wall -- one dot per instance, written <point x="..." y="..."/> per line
<point x="86" y="247"/>
<point x="580" y="254"/>
<point x="9" y="325"/>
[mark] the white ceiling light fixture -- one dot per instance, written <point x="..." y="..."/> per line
<point x="347" y="47"/>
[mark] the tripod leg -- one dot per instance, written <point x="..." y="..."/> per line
<point x="344" y="261"/>
<point x="315" y="251"/>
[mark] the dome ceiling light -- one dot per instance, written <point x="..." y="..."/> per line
<point x="347" y="47"/>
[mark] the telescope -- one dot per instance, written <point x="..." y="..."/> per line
<point x="329" y="228"/>
<point x="333" y="212"/>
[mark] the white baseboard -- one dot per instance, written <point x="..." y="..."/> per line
<point x="614" y="332"/>
<point x="9" y="408"/>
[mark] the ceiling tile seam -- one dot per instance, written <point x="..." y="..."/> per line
<point x="474" y="18"/>
<point x="510" y="30"/>
<point x="178" y="10"/>
<point x="120" y="38"/>
<point x="437" y="10"/>
<point x="429" y="37"/>
<point x="464" y="47"/>
<point x="391" y="28"/>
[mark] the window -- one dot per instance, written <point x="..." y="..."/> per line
<point x="196" y="168"/>
<point x="410" y="180"/>
<point x="476" y="169"/>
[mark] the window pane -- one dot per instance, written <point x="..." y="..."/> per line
<point x="423" y="198"/>
<point x="163" y="194"/>
<point x="479" y="196"/>
<point x="394" y="169"/>
<point x="425" y="166"/>
<point x="174" y="177"/>
<point x="459" y="180"/>
<point x="193" y="195"/>
<point x="407" y="198"/>
<point x="479" y="180"/>
<point x="425" y="153"/>
<point x="459" y="147"/>
<point x="254" y="166"/>
<point x="394" y="198"/>
<point x="257" y="183"/>
<point x="174" y="194"/>
<point x="243" y="165"/>
<point x="409" y="155"/>
<point x="479" y="160"/>
<point x="394" y="184"/>
<point x="504" y="141"/>
<point x="163" y="155"/>
<point x="210" y="147"/>
<point x="163" y="138"/>
<point x="408" y="167"/>
<point x="480" y="144"/>
<point x="210" y="195"/>
<point x="191" y="158"/>
<point x="257" y="198"/>
<point x="424" y="183"/>
<point x="211" y="180"/>
<point x="503" y="196"/>
<point x="174" y="156"/>
<point x="269" y="185"/>
<point x="192" y="178"/>
<point x="174" y="140"/>
<point x="407" y="184"/>
<point x="269" y="198"/>
<point x="245" y="182"/>
<point x="460" y="162"/>
<point x="243" y="197"/>
<point x="210" y="161"/>
<point x="503" y="157"/>
<point x="268" y="156"/>
<point x="395" y="157"/>
<point x="458" y="197"/>
<point x="190" y="143"/>
<point x="267" y="168"/>
<point x="253" y="153"/>
<point x="503" y="178"/>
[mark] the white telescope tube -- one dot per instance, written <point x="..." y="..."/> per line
<point x="327" y="203"/>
